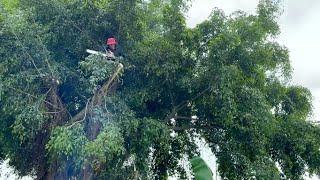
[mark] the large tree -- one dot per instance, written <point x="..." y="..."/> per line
<point x="65" y="114"/>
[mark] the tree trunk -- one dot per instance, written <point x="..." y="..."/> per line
<point x="60" y="117"/>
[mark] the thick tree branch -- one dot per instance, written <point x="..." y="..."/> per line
<point x="196" y="126"/>
<point x="186" y="126"/>
<point x="98" y="96"/>
<point x="84" y="118"/>
<point x="315" y="122"/>
<point x="181" y="128"/>
<point x="53" y="97"/>
<point x="185" y="103"/>
<point x="184" y="117"/>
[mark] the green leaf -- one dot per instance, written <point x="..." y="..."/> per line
<point x="200" y="169"/>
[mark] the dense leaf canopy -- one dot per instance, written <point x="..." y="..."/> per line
<point x="226" y="81"/>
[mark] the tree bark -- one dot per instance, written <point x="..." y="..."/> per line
<point x="60" y="117"/>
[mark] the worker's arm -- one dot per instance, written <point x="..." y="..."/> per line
<point x="110" y="54"/>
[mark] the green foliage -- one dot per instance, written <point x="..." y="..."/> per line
<point x="67" y="145"/>
<point x="9" y="5"/>
<point x="97" y="70"/>
<point x="29" y="122"/>
<point x="200" y="169"/>
<point x="108" y="143"/>
<point x="226" y="81"/>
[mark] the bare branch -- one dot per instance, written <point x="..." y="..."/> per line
<point x="33" y="96"/>
<point x="26" y="52"/>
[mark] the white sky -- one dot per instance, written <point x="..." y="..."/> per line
<point x="300" y="32"/>
<point x="300" y="27"/>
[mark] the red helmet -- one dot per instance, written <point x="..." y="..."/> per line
<point x="111" y="41"/>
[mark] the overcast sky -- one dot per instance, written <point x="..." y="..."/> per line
<point x="300" y="27"/>
<point x="300" y="32"/>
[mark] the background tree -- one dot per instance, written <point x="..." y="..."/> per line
<point x="225" y="80"/>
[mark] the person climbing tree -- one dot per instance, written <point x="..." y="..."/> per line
<point x="111" y="48"/>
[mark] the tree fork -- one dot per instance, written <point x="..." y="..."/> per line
<point x="60" y="118"/>
<point x="96" y="100"/>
